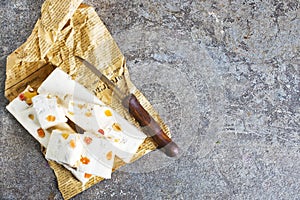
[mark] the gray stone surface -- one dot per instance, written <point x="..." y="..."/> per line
<point x="237" y="65"/>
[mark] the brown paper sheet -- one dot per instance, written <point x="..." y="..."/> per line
<point x="65" y="29"/>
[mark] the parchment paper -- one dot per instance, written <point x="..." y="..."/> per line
<point x="65" y="29"/>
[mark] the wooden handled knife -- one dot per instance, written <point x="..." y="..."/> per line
<point x="150" y="127"/>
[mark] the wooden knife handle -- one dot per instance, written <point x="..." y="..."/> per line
<point x="150" y="126"/>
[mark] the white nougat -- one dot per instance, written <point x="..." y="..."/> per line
<point x="29" y="121"/>
<point x="85" y="153"/>
<point x="61" y="84"/>
<point x="89" y="117"/>
<point x="103" y="121"/>
<point x="48" y="112"/>
<point x="90" y="114"/>
<point x="106" y="133"/>
<point x="27" y="117"/>
<point x="98" y="154"/>
<point x="18" y="105"/>
<point x="64" y="147"/>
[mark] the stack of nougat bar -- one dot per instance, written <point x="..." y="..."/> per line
<point x="86" y="149"/>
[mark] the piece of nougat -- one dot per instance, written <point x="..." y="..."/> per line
<point x="90" y="114"/>
<point x="65" y="148"/>
<point x="26" y="115"/>
<point x="60" y="84"/>
<point x="84" y="153"/>
<point x="98" y="156"/>
<point x="48" y="112"/>
<point x="104" y="121"/>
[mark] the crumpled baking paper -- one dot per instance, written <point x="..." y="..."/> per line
<point x="65" y="29"/>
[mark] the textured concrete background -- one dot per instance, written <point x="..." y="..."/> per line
<point x="236" y="64"/>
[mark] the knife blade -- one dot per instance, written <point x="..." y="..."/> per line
<point x="150" y="127"/>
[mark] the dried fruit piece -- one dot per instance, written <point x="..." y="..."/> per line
<point x="116" y="127"/>
<point x="108" y="113"/>
<point x="88" y="114"/>
<point x="84" y="160"/>
<point x="86" y="175"/>
<point x="31" y="116"/>
<point x="101" y="131"/>
<point x="50" y="118"/>
<point x="88" y="140"/>
<point x="72" y="144"/>
<point x="22" y="97"/>
<point x="109" y="155"/>
<point x="65" y="135"/>
<point x="41" y="133"/>
<point x="117" y="140"/>
<point x="80" y="106"/>
<point x="28" y="96"/>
